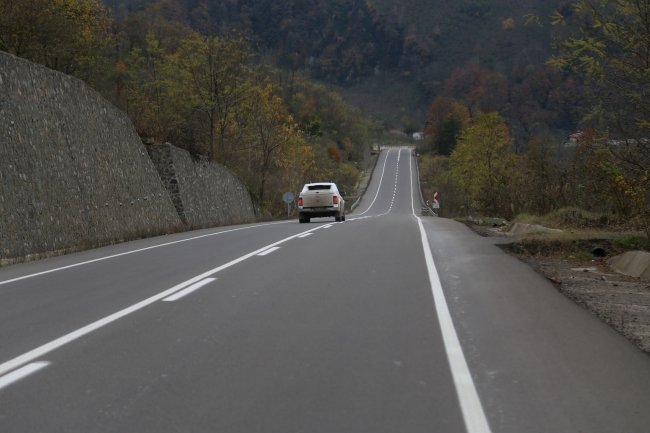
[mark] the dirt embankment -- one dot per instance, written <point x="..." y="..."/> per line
<point x="621" y="301"/>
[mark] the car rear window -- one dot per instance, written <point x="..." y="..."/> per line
<point x="318" y="187"/>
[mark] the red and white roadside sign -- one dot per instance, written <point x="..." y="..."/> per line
<point x="436" y="200"/>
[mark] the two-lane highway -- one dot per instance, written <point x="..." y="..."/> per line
<point x="387" y="322"/>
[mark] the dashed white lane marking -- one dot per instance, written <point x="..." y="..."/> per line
<point x="137" y="251"/>
<point x="360" y="218"/>
<point x="306" y="234"/>
<point x="268" y="251"/>
<point x="61" y="341"/>
<point x="399" y="154"/>
<point x="25" y="371"/>
<point x="470" y="404"/>
<point x="379" y="187"/>
<point x="187" y="291"/>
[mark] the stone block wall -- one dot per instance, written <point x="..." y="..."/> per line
<point x="205" y="193"/>
<point x="72" y="168"/>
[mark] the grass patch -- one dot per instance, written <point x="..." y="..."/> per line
<point x="562" y="249"/>
<point x="576" y="219"/>
<point x="633" y="243"/>
<point x="575" y="247"/>
<point x="583" y="257"/>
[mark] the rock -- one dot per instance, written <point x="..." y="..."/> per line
<point x="554" y="281"/>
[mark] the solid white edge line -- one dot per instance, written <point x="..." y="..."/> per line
<point x="188" y="290"/>
<point x="268" y="251"/>
<point x="379" y="187"/>
<point x="135" y="251"/>
<point x="55" y="344"/>
<point x="305" y="235"/>
<point x="470" y="403"/>
<point x="15" y="376"/>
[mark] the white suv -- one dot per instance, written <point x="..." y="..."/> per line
<point x="320" y="200"/>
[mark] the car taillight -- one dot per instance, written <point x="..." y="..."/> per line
<point x="336" y="200"/>
<point x="299" y="201"/>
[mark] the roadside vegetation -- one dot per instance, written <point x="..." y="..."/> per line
<point x="597" y="182"/>
<point x="211" y="92"/>
<point x="236" y="82"/>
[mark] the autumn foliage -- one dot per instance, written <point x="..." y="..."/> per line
<point x="334" y="153"/>
<point x="211" y="94"/>
<point x="66" y="35"/>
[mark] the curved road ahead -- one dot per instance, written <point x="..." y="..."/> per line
<point x="384" y="323"/>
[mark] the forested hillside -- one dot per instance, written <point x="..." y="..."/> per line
<point x="215" y="94"/>
<point x="401" y="50"/>
<point x="280" y="91"/>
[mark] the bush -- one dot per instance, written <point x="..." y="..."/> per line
<point x="633" y="243"/>
<point x="572" y="217"/>
<point x="584" y="257"/>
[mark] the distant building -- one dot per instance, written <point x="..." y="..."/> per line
<point x="575" y="137"/>
<point x="418" y="135"/>
<point x="624" y="142"/>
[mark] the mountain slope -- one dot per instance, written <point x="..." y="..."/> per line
<point x="350" y="43"/>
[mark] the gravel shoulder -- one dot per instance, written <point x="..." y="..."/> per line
<point x="621" y="301"/>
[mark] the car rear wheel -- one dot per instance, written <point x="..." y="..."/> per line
<point x="337" y="217"/>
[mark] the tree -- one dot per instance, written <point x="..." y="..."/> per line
<point x="218" y="80"/>
<point x="610" y="48"/>
<point x="436" y="176"/>
<point x="448" y="135"/>
<point x="66" y="35"/>
<point x="155" y="102"/>
<point x="409" y="126"/>
<point x="438" y="112"/>
<point x="272" y="129"/>
<point x="483" y="161"/>
<point x="334" y="153"/>
<point x="447" y="119"/>
<point x="546" y="183"/>
<point x="607" y="181"/>
<point x="295" y="163"/>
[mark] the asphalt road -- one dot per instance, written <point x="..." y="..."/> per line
<point x="388" y="322"/>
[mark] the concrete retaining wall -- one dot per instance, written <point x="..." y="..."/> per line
<point x="633" y="263"/>
<point x="73" y="170"/>
<point x="205" y="193"/>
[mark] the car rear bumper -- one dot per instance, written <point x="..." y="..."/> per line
<point x="315" y="212"/>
